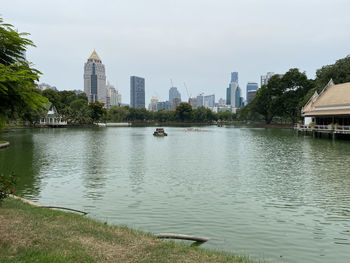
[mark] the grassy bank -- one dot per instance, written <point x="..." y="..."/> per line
<point x="34" y="234"/>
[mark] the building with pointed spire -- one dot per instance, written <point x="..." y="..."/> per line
<point x="95" y="79"/>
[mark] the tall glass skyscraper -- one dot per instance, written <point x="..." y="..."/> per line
<point x="233" y="92"/>
<point x="95" y="79"/>
<point x="174" y="94"/>
<point x="137" y="92"/>
<point x="234" y="77"/>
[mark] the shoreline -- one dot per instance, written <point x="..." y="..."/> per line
<point x="7" y="129"/>
<point x="69" y="237"/>
<point x="4" y="144"/>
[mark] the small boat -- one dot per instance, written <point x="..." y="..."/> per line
<point x="160" y="132"/>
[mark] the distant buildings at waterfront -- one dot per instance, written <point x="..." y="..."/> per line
<point x="137" y="92"/>
<point x="96" y="89"/>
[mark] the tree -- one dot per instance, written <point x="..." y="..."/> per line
<point x="339" y="72"/>
<point x="17" y="76"/>
<point x="79" y="112"/>
<point x="97" y="111"/>
<point x="295" y="86"/>
<point x="184" y="112"/>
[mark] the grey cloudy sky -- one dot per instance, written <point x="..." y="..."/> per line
<point x="194" y="41"/>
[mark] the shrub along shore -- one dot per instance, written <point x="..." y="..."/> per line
<point x="34" y="234"/>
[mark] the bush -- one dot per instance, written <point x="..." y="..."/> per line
<point x="7" y="183"/>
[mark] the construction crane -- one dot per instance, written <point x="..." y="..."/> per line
<point x="189" y="96"/>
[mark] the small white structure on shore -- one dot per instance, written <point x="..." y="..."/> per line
<point x="52" y="117"/>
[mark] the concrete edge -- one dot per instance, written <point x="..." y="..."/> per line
<point x="25" y="200"/>
<point x="4" y="145"/>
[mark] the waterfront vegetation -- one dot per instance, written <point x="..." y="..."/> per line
<point x="284" y="96"/>
<point x="34" y="234"/>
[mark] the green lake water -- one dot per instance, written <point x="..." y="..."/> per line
<point x="263" y="193"/>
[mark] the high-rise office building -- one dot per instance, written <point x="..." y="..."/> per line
<point x="264" y="79"/>
<point x="231" y="90"/>
<point x="228" y="95"/>
<point x="174" y="96"/>
<point x="251" y="86"/>
<point x="137" y="92"/>
<point x="95" y="79"/>
<point x="207" y="101"/>
<point x="251" y="95"/>
<point x="152" y="106"/>
<point x="234" y="77"/>
<point x="111" y="96"/>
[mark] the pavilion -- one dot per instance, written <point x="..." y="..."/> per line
<point x="329" y="111"/>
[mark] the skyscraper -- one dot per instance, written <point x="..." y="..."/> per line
<point x="234" y="77"/>
<point x="174" y="96"/>
<point x="265" y="78"/>
<point x="231" y="90"/>
<point x="111" y="96"/>
<point x="251" y="86"/>
<point x="95" y="79"/>
<point x="137" y="92"/>
<point x="152" y="106"/>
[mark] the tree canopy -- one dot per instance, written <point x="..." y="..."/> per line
<point x="18" y="92"/>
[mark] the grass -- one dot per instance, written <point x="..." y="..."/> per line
<point x="34" y="234"/>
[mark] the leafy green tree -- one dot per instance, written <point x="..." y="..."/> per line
<point x="164" y="115"/>
<point x="184" y="112"/>
<point x="225" y="115"/>
<point x="295" y="86"/>
<point x="79" y="112"/>
<point x="97" y="111"/>
<point x="339" y="72"/>
<point x="202" y="114"/>
<point x="17" y="76"/>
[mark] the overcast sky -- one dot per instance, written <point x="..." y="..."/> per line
<point x="198" y="42"/>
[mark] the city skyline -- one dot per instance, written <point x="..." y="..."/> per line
<point x="133" y="38"/>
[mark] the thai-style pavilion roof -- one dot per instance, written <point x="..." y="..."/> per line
<point x="333" y="100"/>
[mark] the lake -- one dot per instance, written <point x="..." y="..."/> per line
<point x="264" y="193"/>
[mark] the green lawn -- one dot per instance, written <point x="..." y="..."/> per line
<point x="34" y="234"/>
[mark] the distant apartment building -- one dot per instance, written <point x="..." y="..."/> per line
<point x="251" y="95"/>
<point x="152" y="106"/>
<point x="137" y="92"/>
<point x="222" y="101"/>
<point x="112" y="96"/>
<point x="193" y="102"/>
<point x="207" y="101"/>
<point x="264" y="79"/>
<point x="251" y="86"/>
<point x="163" y="105"/>
<point x="95" y="79"/>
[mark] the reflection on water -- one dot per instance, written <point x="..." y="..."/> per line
<point x="261" y="192"/>
<point x="94" y="177"/>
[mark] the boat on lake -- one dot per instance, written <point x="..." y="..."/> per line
<point x="160" y="132"/>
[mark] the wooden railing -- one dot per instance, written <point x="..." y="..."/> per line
<point x="330" y="127"/>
